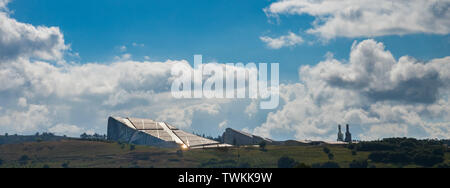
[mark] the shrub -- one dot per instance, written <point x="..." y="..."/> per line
<point x="302" y="165"/>
<point x="23" y="160"/>
<point x="376" y="146"/>
<point x="244" y="165"/>
<point x="262" y="146"/>
<point x="428" y="159"/>
<point x="65" y="165"/>
<point x="180" y="153"/>
<point x="132" y="147"/>
<point x="286" y="162"/>
<point x="390" y="157"/>
<point x="326" y="165"/>
<point x="442" y="165"/>
<point x="359" y="164"/>
<point x="331" y="156"/>
<point x="326" y="150"/>
<point x="351" y="146"/>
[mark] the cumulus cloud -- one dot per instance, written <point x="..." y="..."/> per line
<point x="373" y="72"/>
<point x="29" y="119"/>
<point x="84" y="95"/>
<point x="3" y="4"/>
<point x="223" y="124"/>
<point x="70" y="98"/>
<point x="69" y="130"/>
<point x="375" y="93"/>
<point x="368" y="18"/>
<point x="288" y="40"/>
<point x="122" y="48"/>
<point x="182" y="115"/>
<point x="28" y="41"/>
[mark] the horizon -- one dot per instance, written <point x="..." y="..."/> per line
<point x="65" y="66"/>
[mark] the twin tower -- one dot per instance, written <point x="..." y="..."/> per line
<point x="348" y="135"/>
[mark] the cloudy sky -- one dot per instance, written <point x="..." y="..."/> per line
<point x="382" y="66"/>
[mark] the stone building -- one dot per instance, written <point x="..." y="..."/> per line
<point x="340" y="135"/>
<point x="348" y="135"/>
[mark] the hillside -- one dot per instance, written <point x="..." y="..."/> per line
<point x="90" y="154"/>
<point x="17" y="139"/>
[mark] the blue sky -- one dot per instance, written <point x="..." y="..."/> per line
<point x="221" y="30"/>
<point x="389" y="74"/>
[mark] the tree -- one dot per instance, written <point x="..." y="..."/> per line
<point x="23" y="160"/>
<point x="330" y="165"/>
<point x="428" y="159"/>
<point x="359" y="164"/>
<point x="302" y="165"/>
<point x="326" y="150"/>
<point x="262" y="146"/>
<point x="84" y="136"/>
<point x="132" y="147"/>
<point x="65" y="165"/>
<point x="331" y="156"/>
<point x="442" y="165"/>
<point x="39" y="140"/>
<point x="1" y="162"/>
<point x="244" y="165"/>
<point x="286" y="162"/>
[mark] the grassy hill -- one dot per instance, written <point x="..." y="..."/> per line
<point x="94" y="154"/>
<point x="16" y="139"/>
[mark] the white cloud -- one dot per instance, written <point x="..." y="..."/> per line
<point x="22" y="102"/>
<point x="25" y="40"/>
<point x="123" y="57"/>
<point x="3" y="4"/>
<point x="182" y="115"/>
<point x="86" y="94"/>
<point x="69" y="130"/>
<point x="369" y="18"/>
<point x="375" y="93"/>
<point x="288" y="40"/>
<point x="138" y="44"/>
<point x="122" y="48"/>
<point x="34" y="118"/>
<point x="68" y="97"/>
<point x="223" y="124"/>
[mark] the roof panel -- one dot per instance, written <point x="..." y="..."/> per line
<point x="145" y="124"/>
<point x="161" y="134"/>
<point x="193" y="140"/>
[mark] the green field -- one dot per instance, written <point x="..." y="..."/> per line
<point x="91" y="154"/>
